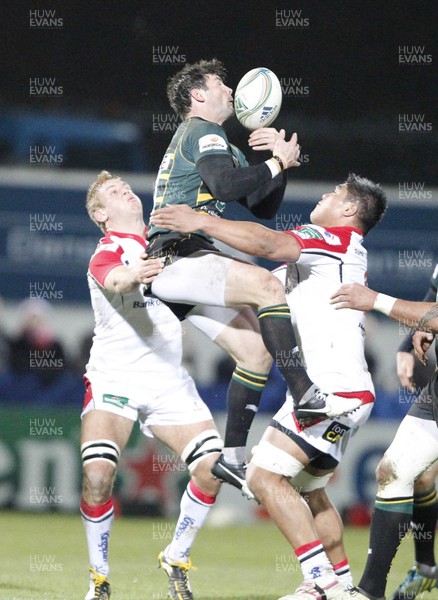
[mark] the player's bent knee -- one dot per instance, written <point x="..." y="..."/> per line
<point x="394" y="479"/>
<point x="98" y="483"/>
<point x="383" y="472"/>
<point x="270" y="288"/>
<point x="205" y="445"/>
<point x="99" y="459"/>
<point x="203" y="478"/>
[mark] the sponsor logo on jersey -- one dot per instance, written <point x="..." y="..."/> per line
<point x="334" y="432"/>
<point x="146" y="303"/>
<point x="212" y="142"/>
<point x="306" y="232"/>
<point x="331" y="239"/>
<point x="118" y="401"/>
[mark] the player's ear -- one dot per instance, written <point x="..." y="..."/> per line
<point x="100" y="215"/>
<point x="350" y="208"/>
<point x="198" y="94"/>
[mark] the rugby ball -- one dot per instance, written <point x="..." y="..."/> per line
<point x="257" y="100"/>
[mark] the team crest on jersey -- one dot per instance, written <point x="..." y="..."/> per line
<point x="307" y="233"/>
<point x="334" y="432"/>
<point x="212" y="142"/>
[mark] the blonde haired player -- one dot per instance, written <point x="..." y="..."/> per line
<point x="135" y="373"/>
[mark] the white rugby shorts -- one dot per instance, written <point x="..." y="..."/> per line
<point x="329" y="436"/>
<point x="176" y="403"/>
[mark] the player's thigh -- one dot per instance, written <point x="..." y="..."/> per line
<point x="250" y="285"/>
<point x="285" y="443"/>
<point x="103" y="425"/>
<point x="176" y="437"/>
<point x="413" y="449"/>
<point x="196" y="279"/>
<point x="274" y="458"/>
<point x="242" y="340"/>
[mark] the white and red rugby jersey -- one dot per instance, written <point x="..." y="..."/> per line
<point x="331" y="341"/>
<point x="133" y="333"/>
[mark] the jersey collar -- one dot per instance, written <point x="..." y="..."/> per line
<point x="132" y="236"/>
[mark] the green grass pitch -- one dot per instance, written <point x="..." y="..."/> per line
<point x="44" y="557"/>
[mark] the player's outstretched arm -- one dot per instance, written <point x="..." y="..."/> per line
<point x="123" y="280"/>
<point x="251" y="238"/>
<point x="423" y="315"/>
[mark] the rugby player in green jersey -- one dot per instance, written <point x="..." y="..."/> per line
<point x="202" y="169"/>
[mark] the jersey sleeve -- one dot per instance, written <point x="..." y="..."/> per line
<point x="104" y="260"/>
<point x="313" y="237"/>
<point x="205" y="139"/>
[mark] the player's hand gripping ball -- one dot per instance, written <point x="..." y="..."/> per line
<point x="257" y="100"/>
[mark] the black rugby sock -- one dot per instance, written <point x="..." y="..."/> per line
<point x="424" y="519"/>
<point x="243" y="400"/>
<point x="279" y="338"/>
<point x="391" y="518"/>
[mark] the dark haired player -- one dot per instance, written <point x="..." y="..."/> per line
<point x="203" y="170"/>
<point x="319" y="256"/>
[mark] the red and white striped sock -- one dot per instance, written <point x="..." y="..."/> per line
<point x="342" y="571"/>
<point x="97" y="521"/>
<point x="314" y="562"/>
<point x="194" y="508"/>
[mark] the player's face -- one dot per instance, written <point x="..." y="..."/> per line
<point x="119" y="203"/>
<point x="219" y="98"/>
<point x="330" y="208"/>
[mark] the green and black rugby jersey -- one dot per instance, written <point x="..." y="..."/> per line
<point x="178" y="180"/>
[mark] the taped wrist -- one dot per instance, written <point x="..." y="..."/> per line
<point x="384" y="303"/>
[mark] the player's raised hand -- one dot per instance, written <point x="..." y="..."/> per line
<point x="264" y="138"/>
<point x="125" y="279"/>
<point x="178" y="217"/>
<point x="145" y="270"/>
<point x="288" y="151"/>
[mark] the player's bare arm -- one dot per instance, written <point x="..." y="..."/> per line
<point x="123" y="280"/>
<point x="251" y="238"/>
<point x="422" y="315"/>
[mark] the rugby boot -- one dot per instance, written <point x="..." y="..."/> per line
<point x="309" y="590"/>
<point x="177" y="572"/>
<point x="232" y="474"/>
<point x="414" y="584"/>
<point x="100" y="588"/>
<point x="316" y="404"/>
